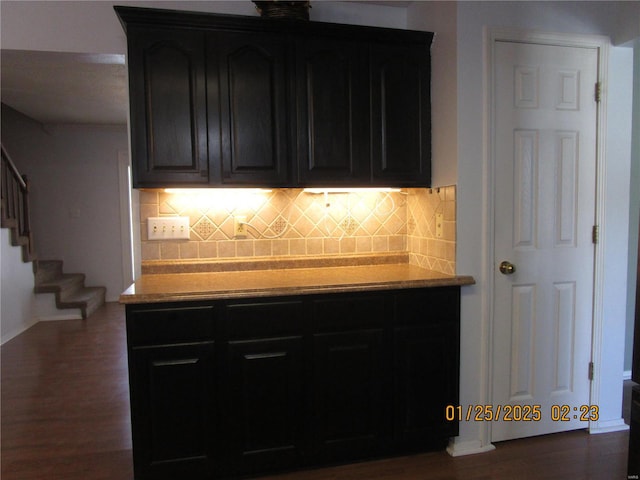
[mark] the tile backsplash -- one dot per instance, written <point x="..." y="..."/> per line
<point x="291" y="222"/>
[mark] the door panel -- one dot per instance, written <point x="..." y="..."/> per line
<point x="249" y="114"/>
<point x="349" y="392"/>
<point x="401" y="115"/>
<point x="545" y="163"/>
<point x="333" y="119"/>
<point x="265" y="403"/>
<point x="168" y="113"/>
<point x="173" y="410"/>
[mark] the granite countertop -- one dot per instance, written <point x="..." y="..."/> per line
<point x="171" y="287"/>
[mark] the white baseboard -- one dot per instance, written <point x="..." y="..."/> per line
<point x="10" y="335"/>
<point x="472" y="447"/>
<point x="609" y="426"/>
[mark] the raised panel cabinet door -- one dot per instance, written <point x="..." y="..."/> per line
<point x="173" y="411"/>
<point x="426" y="381"/>
<point x="168" y="107"/>
<point x="264" y="398"/>
<point x="333" y="112"/>
<point x="248" y="107"/>
<point x="401" y="115"/>
<point x="349" y="395"/>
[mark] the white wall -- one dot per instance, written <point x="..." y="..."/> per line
<point x="570" y="17"/>
<point x="75" y="210"/>
<point x="634" y="210"/>
<point x="16" y="290"/>
<point x="92" y="27"/>
<point x="440" y="17"/>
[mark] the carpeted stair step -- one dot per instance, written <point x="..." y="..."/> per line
<point x="69" y="288"/>
<point x="87" y="299"/>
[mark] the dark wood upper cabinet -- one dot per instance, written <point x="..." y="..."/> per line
<point x="247" y="82"/>
<point x="333" y="113"/>
<point x="167" y="93"/>
<point x="222" y="100"/>
<point x="401" y="114"/>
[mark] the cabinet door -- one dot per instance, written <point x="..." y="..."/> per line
<point x="333" y="112"/>
<point x="172" y="411"/>
<point x="426" y="366"/>
<point x="348" y="400"/>
<point x="248" y="108"/>
<point x="167" y="94"/>
<point x="401" y="115"/>
<point x="426" y="382"/>
<point x="264" y="404"/>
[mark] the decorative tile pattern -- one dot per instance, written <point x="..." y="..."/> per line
<point x="290" y="222"/>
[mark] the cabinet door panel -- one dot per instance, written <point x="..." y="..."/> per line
<point x="426" y="381"/>
<point x="332" y="93"/>
<point x="168" y="107"/>
<point x="172" y="410"/>
<point x="349" y="394"/>
<point x="401" y="117"/>
<point x="265" y="403"/>
<point x="251" y="106"/>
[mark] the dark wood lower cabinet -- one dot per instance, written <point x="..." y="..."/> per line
<point x="173" y="411"/>
<point x="292" y="382"/>
<point x="265" y="404"/>
<point x="349" y="388"/>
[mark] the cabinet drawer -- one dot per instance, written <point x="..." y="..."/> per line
<point x="263" y="319"/>
<point x="165" y="326"/>
<point x="349" y="312"/>
<point x="428" y="306"/>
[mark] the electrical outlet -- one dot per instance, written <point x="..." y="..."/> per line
<point x="239" y="226"/>
<point x="168" y="228"/>
<point x="439" y="225"/>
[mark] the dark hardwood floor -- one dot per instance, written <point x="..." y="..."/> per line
<point x="65" y="416"/>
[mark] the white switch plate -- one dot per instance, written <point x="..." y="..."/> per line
<point x="168" y="228"/>
<point x="439" y="225"/>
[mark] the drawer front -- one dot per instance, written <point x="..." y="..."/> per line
<point x="348" y="312"/>
<point x="170" y="325"/>
<point x="428" y="306"/>
<point x="269" y="318"/>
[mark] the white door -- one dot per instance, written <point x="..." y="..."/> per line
<point x="545" y="185"/>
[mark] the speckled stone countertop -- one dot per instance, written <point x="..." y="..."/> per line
<point x="172" y="287"/>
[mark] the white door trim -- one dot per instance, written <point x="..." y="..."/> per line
<point x="126" y="217"/>
<point x="601" y="44"/>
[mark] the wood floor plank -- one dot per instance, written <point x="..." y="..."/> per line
<point x="65" y="416"/>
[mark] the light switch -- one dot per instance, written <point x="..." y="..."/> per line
<point x="168" y="228"/>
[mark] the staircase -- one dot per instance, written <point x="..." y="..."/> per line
<point x="69" y="288"/>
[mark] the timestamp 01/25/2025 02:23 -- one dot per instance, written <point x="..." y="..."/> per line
<point x="520" y="413"/>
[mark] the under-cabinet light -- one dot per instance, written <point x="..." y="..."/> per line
<point x="222" y="191"/>
<point x="230" y="199"/>
<point x="351" y="190"/>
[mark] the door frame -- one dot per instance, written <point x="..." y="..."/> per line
<point x="601" y="45"/>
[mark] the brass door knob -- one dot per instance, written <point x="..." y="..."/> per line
<point x="507" y="268"/>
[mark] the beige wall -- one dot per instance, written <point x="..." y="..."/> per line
<point x="290" y="222"/>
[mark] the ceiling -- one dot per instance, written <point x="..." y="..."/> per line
<point x="53" y="87"/>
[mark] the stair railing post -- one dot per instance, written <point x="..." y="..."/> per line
<point x="26" y="220"/>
